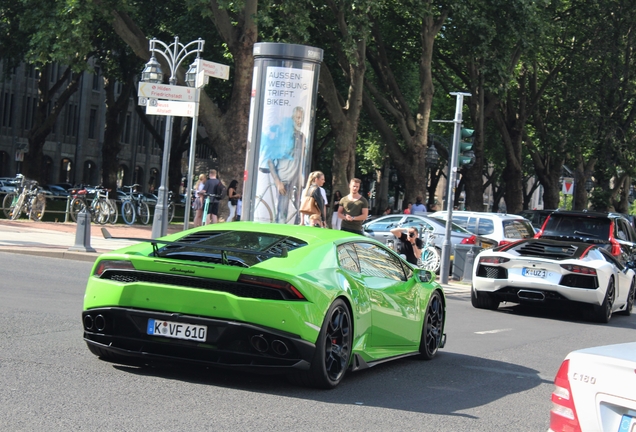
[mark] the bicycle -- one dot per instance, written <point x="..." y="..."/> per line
<point x="171" y="207"/>
<point x="133" y="205"/>
<point x="29" y="199"/>
<point x="100" y="208"/>
<point x="430" y="259"/>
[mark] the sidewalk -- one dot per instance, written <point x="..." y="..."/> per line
<point x="53" y="240"/>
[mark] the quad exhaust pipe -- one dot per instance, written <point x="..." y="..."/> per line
<point x="279" y="347"/>
<point x="88" y="322"/>
<point x="100" y="322"/>
<point x="262" y="345"/>
<point x="259" y="343"/>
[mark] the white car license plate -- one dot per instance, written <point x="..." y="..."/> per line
<point x="177" y="330"/>
<point x="529" y="272"/>
<point x="628" y="424"/>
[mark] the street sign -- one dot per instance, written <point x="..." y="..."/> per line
<point x="171" y="108"/>
<point x="215" y="70"/>
<point x="568" y="185"/>
<point x="163" y="91"/>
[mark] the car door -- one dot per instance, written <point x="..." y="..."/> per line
<point x="623" y="279"/>
<point x="393" y="296"/>
<point x="625" y="235"/>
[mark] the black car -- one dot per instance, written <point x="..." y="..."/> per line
<point x="536" y="217"/>
<point x="612" y="230"/>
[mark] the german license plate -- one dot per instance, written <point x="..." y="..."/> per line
<point x="177" y="330"/>
<point x="529" y="272"/>
<point x="628" y="424"/>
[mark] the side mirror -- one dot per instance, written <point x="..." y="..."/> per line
<point x="426" y="276"/>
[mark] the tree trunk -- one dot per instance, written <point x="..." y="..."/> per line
<point x="116" y="109"/>
<point x="45" y="120"/>
<point x="227" y="130"/>
<point x="473" y="176"/>
<point x="512" y="173"/>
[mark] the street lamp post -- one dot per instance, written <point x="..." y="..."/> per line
<point x="174" y="54"/>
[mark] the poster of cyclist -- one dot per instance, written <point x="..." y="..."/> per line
<point x="283" y="149"/>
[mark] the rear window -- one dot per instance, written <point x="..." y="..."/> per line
<point x="231" y="247"/>
<point x="518" y="229"/>
<point x="574" y="226"/>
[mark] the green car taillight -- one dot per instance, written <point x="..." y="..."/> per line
<point x="272" y="283"/>
<point x="112" y="264"/>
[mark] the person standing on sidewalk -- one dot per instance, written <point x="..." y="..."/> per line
<point x="233" y="199"/>
<point x="336" y="222"/>
<point x="197" y="204"/>
<point x="210" y="190"/>
<point x="418" y="207"/>
<point x="354" y="209"/>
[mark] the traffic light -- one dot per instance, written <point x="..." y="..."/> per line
<point x="466" y="155"/>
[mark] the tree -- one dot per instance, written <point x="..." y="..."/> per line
<point x="405" y="33"/>
<point x="41" y="34"/>
<point x="236" y="26"/>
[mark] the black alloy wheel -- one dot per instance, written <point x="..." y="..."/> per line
<point x="629" y="305"/>
<point x="433" y="328"/>
<point x="333" y="350"/>
<point x="603" y="313"/>
<point x="483" y="300"/>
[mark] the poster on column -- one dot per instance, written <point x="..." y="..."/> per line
<point x="283" y="146"/>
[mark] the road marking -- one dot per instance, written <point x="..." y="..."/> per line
<point x="493" y="331"/>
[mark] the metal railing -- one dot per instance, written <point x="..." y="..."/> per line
<point x="57" y="211"/>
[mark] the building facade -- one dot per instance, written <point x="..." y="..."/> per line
<point x="73" y="150"/>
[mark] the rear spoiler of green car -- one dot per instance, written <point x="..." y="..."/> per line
<point x="223" y="250"/>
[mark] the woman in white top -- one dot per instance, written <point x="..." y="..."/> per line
<point x="197" y="204"/>
<point x="335" y="220"/>
<point x="316" y="180"/>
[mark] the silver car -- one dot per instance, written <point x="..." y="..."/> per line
<point x="380" y="229"/>
<point x="6" y="187"/>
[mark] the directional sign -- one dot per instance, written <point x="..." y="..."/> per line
<point x="162" y="91"/>
<point x="568" y="183"/>
<point x="172" y="108"/>
<point x="215" y="70"/>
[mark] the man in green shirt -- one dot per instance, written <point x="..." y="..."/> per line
<point x="353" y="209"/>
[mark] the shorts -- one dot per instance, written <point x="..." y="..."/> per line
<point x="213" y="208"/>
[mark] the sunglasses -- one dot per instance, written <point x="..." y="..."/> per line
<point x="411" y="234"/>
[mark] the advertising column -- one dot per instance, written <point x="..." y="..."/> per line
<point x="280" y="133"/>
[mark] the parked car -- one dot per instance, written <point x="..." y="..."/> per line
<point x="66" y="186"/>
<point x="536" y="217"/>
<point x="380" y="229"/>
<point x="56" y="190"/>
<point x="298" y="300"/>
<point x="594" y="390"/>
<point x="544" y="272"/>
<point x="502" y="228"/>
<point x="611" y="230"/>
<point x="7" y="187"/>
